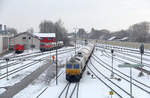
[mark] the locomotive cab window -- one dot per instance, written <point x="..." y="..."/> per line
<point x="69" y="66"/>
<point x="49" y="38"/>
<point x="76" y="66"/>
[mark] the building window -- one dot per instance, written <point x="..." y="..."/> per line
<point x="42" y="38"/>
<point x="23" y="37"/>
<point x="49" y="38"/>
<point x="29" y="37"/>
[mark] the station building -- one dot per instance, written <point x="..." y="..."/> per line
<point x="29" y="40"/>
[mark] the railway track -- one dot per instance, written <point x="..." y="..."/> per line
<point x="125" y="50"/>
<point x="122" y="61"/>
<point x="31" y="55"/>
<point x="20" y="68"/>
<point x="107" y="79"/>
<point x="104" y="82"/>
<point x="47" y="87"/>
<point x="28" y="58"/>
<point x="69" y="92"/>
<point x="136" y="82"/>
<point x="146" y="59"/>
<point x="129" y="59"/>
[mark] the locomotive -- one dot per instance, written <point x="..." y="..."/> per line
<point x="77" y="64"/>
<point x="18" y="48"/>
<point x="49" y="45"/>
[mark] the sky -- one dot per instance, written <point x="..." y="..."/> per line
<point x="99" y="14"/>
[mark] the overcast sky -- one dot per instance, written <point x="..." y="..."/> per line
<point x="100" y="14"/>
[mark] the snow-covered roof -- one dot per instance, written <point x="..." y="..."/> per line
<point x="111" y="38"/>
<point x="124" y="38"/>
<point x="45" y="34"/>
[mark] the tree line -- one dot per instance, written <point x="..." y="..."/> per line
<point x="139" y="32"/>
<point x="47" y="26"/>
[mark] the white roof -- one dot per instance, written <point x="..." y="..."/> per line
<point x="45" y="34"/>
<point x="125" y="38"/>
<point x="112" y="38"/>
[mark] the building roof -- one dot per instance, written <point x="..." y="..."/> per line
<point x="45" y="34"/>
<point x="112" y="38"/>
<point x="25" y="33"/>
<point x="124" y="38"/>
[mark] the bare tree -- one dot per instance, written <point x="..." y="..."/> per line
<point x="57" y="27"/>
<point x="81" y="33"/>
<point x="139" y="32"/>
<point x="12" y="31"/>
<point x="30" y="30"/>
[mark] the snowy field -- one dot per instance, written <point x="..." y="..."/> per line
<point x="91" y="87"/>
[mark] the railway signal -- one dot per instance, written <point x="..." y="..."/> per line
<point x="53" y="58"/>
<point x="112" y="74"/>
<point x="141" y="52"/>
<point x="111" y="93"/>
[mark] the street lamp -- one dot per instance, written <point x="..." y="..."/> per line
<point x="75" y="38"/>
<point x="56" y="64"/>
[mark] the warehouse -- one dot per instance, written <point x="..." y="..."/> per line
<point x="29" y="40"/>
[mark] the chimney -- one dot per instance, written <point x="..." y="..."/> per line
<point x="5" y="29"/>
<point x="0" y="27"/>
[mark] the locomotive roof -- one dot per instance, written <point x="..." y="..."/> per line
<point x="45" y="34"/>
<point x="75" y="59"/>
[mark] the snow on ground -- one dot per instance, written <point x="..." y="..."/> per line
<point x="90" y="87"/>
<point x="17" y="77"/>
<point x="93" y="88"/>
<point x="38" y="85"/>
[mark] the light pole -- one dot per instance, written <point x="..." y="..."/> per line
<point x="56" y="55"/>
<point x="75" y="38"/>
<point x="75" y="43"/>
<point x="131" y="81"/>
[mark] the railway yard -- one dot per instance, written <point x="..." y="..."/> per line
<point x="32" y="74"/>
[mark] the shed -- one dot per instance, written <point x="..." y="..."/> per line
<point x="29" y="40"/>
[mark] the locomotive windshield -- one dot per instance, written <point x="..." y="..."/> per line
<point x="69" y="66"/>
<point x="76" y="66"/>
